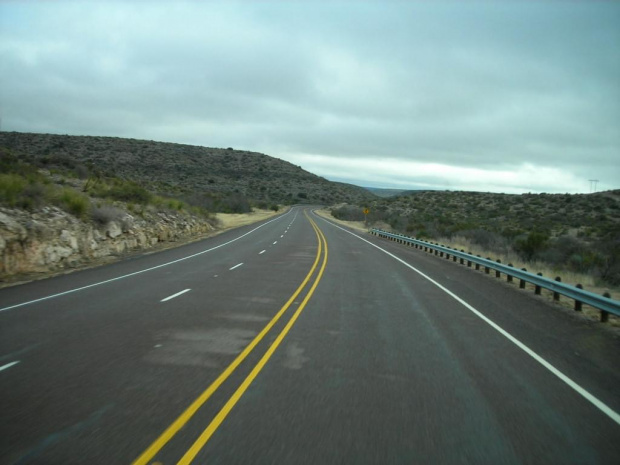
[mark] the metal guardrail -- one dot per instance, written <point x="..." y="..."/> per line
<point x="603" y="303"/>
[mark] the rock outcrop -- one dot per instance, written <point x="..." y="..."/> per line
<point x="50" y="240"/>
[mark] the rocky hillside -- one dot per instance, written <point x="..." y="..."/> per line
<point x="182" y="170"/>
<point x="50" y="239"/>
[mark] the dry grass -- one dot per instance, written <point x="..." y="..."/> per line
<point x="587" y="281"/>
<point x="234" y="220"/>
<point x="358" y="226"/>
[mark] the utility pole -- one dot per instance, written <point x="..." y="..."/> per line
<point x="593" y="183"/>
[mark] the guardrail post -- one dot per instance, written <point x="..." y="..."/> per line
<point x="522" y="281"/>
<point x="577" y="302"/>
<point x="478" y="264"/>
<point x="462" y="262"/>
<point x="556" y="295"/>
<point x="487" y="270"/>
<point x="509" y="276"/>
<point x="604" y="314"/>
<point x="497" y="273"/>
<point x="537" y="289"/>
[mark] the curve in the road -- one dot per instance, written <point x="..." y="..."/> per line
<point x="615" y="416"/>
<point x="182" y="420"/>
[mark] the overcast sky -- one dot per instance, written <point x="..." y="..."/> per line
<point x="488" y="96"/>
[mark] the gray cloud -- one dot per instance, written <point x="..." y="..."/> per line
<point x="485" y="89"/>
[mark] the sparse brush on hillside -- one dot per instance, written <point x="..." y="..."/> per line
<point x="234" y="180"/>
<point x="26" y="186"/>
<point x="576" y="233"/>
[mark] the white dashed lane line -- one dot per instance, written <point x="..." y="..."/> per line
<point x="275" y="242"/>
<point x="236" y="266"/>
<point x="8" y="365"/>
<point x="261" y="252"/>
<point x="175" y="295"/>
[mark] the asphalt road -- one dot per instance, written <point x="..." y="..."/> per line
<point x="296" y="341"/>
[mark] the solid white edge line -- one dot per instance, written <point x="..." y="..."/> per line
<point x="572" y="384"/>
<point x="175" y="295"/>
<point x="236" y="266"/>
<point x="8" y="365"/>
<point x="141" y="271"/>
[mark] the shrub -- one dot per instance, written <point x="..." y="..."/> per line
<point x="73" y="202"/>
<point x="348" y="213"/>
<point x="176" y="205"/>
<point x="128" y="191"/>
<point x="105" y="214"/>
<point x="235" y="203"/>
<point x="531" y="246"/>
<point x="35" y="195"/>
<point x="11" y="188"/>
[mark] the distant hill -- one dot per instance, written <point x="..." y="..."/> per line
<point x="579" y="232"/>
<point x="183" y="170"/>
<point x="381" y="192"/>
<point x="444" y="213"/>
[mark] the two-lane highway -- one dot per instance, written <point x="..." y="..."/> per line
<point x="296" y="341"/>
<point x="121" y="350"/>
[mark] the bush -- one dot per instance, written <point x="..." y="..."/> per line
<point x="11" y="188"/>
<point x="609" y="261"/>
<point x="235" y="203"/>
<point x="35" y="195"/>
<point x="127" y="191"/>
<point x="176" y="205"/>
<point x="531" y="246"/>
<point x="348" y="213"/>
<point x="103" y="215"/>
<point x="73" y="202"/>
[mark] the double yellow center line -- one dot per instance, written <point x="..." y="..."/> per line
<point x="182" y="420"/>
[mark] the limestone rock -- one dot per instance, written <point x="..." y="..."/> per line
<point x="113" y="229"/>
<point x="50" y="239"/>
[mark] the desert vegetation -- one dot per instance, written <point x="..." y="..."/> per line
<point x="218" y="180"/>
<point x="29" y="186"/>
<point x="560" y="232"/>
